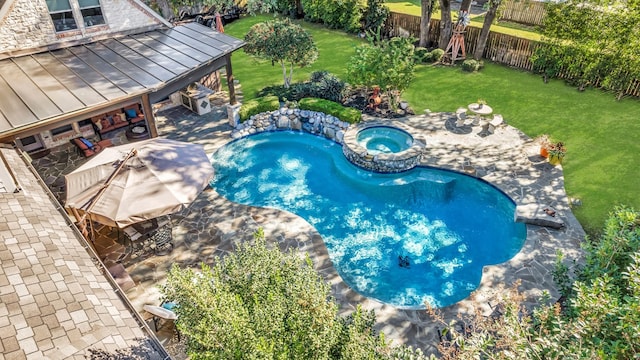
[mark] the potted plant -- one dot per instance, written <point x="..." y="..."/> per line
<point x="545" y="144"/>
<point x="557" y="151"/>
<point x="481" y="103"/>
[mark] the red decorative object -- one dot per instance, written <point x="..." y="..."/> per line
<point x="375" y="99"/>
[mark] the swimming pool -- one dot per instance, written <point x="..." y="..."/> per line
<point x="445" y="224"/>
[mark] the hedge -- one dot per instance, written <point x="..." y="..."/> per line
<point x="343" y="113"/>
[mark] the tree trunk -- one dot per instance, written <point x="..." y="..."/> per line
<point x="465" y="6"/>
<point x="165" y="9"/>
<point x="445" y="24"/>
<point x="425" y="19"/>
<point x="284" y="74"/>
<point x="486" y="26"/>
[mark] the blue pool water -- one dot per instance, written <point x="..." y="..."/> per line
<point x="384" y="139"/>
<point x="447" y="224"/>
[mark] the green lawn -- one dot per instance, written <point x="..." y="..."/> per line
<point x="601" y="167"/>
<point x="334" y="50"/>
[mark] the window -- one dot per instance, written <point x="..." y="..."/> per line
<point x="85" y="123"/>
<point x="91" y="12"/>
<point x="61" y="130"/>
<point x="61" y="14"/>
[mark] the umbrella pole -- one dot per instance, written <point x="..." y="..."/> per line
<point x="106" y="184"/>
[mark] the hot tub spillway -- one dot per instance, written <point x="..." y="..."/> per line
<point x="402" y="150"/>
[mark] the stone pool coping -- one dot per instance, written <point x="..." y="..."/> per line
<point x="385" y="163"/>
<point x="212" y="225"/>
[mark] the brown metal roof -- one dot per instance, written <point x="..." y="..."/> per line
<point x="48" y="85"/>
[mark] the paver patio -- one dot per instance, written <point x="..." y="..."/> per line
<point x="212" y="225"/>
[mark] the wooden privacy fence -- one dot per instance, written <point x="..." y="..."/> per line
<point x="524" y="12"/>
<point x="500" y="48"/>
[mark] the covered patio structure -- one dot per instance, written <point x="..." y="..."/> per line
<point x="62" y="89"/>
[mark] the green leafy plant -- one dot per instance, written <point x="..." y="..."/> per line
<point x="557" y="149"/>
<point x="421" y="55"/>
<point x="375" y="14"/>
<point x="597" y="319"/>
<point x="283" y="42"/>
<point x="387" y="64"/>
<point x="471" y="65"/>
<point x="345" y="15"/>
<point x="257" y="106"/>
<point x="322" y="85"/>
<point x="436" y="55"/>
<point x="261" y="303"/>
<point x="343" y="113"/>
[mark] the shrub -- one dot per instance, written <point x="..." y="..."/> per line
<point x="260" y="303"/>
<point x="387" y="64"/>
<point x="420" y="55"/>
<point x="258" y="105"/>
<point x="318" y="76"/>
<point x="345" y="15"/>
<point x="375" y="14"/>
<point x="322" y="85"/>
<point x="295" y="92"/>
<point x="330" y="88"/>
<point x="343" y="113"/>
<point x="471" y="65"/>
<point x="436" y="55"/>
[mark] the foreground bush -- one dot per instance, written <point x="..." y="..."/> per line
<point x="343" y="113"/>
<point x="261" y="303"/>
<point x="258" y="105"/>
<point x="597" y="318"/>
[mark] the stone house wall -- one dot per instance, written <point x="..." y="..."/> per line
<point x="27" y="24"/>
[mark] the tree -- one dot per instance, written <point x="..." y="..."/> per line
<point x="375" y="14"/>
<point x="261" y="303"/>
<point x="387" y="64"/>
<point x="489" y="17"/>
<point x="426" y="10"/>
<point x="594" y="43"/>
<point x="446" y="26"/>
<point x="283" y="42"/>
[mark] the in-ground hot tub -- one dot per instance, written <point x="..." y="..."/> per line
<point x="386" y="147"/>
<point x="384" y="140"/>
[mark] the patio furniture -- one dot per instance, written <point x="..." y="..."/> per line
<point x="110" y="121"/>
<point x="161" y="312"/>
<point x="88" y="148"/>
<point x="479" y="110"/>
<point x="493" y="124"/>
<point x="153" y="234"/>
<point x="122" y="277"/>
<point x="461" y="117"/>
<point x="137" y="131"/>
<point x="133" y="113"/>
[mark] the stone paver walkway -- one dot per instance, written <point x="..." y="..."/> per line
<point x="212" y="226"/>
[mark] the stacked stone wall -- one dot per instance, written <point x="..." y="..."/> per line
<point x="336" y="130"/>
<point x="27" y="24"/>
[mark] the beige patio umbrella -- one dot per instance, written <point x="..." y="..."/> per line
<point x="159" y="177"/>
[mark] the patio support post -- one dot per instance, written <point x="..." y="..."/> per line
<point x="230" y="84"/>
<point x="148" y="114"/>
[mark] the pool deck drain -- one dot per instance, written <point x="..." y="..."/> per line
<point x="213" y="226"/>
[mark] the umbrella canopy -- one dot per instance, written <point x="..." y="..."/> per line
<point x="163" y="177"/>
